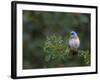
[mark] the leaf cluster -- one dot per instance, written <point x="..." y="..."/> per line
<point x="57" y="53"/>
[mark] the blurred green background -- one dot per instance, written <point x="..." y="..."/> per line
<point x="39" y="24"/>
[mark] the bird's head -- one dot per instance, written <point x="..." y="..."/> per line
<point x="73" y="34"/>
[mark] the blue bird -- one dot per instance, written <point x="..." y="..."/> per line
<point x="74" y="41"/>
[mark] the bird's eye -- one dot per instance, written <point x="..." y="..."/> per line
<point x="72" y="33"/>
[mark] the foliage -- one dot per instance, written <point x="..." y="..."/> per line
<point x="55" y="49"/>
<point x="57" y="52"/>
<point x="54" y="44"/>
<point x="84" y="57"/>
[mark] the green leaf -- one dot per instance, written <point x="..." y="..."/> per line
<point x="47" y="58"/>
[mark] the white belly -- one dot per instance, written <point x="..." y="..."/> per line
<point x="74" y="43"/>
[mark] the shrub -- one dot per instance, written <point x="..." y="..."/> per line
<point x="58" y="53"/>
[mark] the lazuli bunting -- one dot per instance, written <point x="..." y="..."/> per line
<point x="74" y="41"/>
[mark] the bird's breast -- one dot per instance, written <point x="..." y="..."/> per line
<point x="74" y="42"/>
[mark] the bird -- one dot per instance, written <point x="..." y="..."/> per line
<point x="74" y="41"/>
